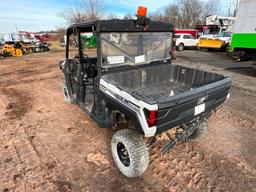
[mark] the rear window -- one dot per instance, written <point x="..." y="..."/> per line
<point x="177" y="36"/>
<point x="134" y="48"/>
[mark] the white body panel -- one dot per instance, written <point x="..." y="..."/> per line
<point x="219" y="20"/>
<point x="246" y="17"/>
<point x="113" y="91"/>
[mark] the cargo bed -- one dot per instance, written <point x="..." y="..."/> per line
<point x="180" y="93"/>
<point x="164" y="82"/>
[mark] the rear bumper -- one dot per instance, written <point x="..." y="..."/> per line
<point x="182" y="112"/>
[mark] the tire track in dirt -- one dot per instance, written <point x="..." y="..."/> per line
<point x="30" y="69"/>
<point x="17" y="103"/>
<point x="9" y="83"/>
<point x="22" y="152"/>
<point x="189" y="167"/>
<point x="32" y="168"/>
<point x="232" y="134"/>
<point x="27" y="75"/>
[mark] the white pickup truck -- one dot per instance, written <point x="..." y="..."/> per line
<point x="184" y="40"/>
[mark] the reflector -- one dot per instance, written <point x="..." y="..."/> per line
<point x="152" y="118"/>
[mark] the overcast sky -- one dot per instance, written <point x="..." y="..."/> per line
<point x="31" y="15"/>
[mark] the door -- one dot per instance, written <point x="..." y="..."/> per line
<point x="189" y="40"/>
<point x="72" y="65"/>
<point x="82" y="71"/>
<point x="178" y="39"/>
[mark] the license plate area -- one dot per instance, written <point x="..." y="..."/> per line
<point x="199" y="109"/>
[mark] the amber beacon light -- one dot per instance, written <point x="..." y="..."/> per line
<point x="142" y="11"/>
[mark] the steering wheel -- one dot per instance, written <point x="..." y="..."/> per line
<point x="76" y="58"/>
<point x="77" y="55"/>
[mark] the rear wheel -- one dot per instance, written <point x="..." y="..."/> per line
<point x="227" y="49"/>
<point x="201" y="129"/>
<point x="180" y="47"/>
<point x="129" y="152"/>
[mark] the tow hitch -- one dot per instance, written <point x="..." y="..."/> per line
<point x="181" y="134"/>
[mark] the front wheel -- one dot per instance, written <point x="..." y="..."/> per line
<point x="129" y="152"/>
<point x="180" y="47"/>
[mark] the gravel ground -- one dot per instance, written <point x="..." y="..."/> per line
<point x="49" y="145"/>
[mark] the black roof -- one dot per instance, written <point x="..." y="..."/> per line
<point x="118" y="25"/>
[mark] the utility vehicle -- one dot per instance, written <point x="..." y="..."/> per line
<point x="132" y="86"/>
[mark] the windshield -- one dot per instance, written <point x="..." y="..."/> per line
<point x="176" y="36"/>
<point x="135" y="48"/>
<point x="224" y="34"/>
<point x="212" y="30"/>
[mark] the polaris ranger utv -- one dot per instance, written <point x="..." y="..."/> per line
<point x="131" y="79"/>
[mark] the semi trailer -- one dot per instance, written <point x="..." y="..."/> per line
<point x="243" y="43"/>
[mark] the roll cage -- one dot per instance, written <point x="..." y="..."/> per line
<point x="115" y="25"/>
<point x="88" y="70"/>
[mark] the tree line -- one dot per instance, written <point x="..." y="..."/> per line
<point x="182" y="13"/>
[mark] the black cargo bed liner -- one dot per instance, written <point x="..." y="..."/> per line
<point x="160" y="91"/>
<point x="167" y="83"/>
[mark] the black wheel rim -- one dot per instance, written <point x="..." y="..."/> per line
<point x="123" y="154"/>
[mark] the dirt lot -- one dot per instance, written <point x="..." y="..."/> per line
<point x="49" y="145"/>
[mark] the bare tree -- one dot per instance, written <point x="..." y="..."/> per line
<point x="158" y="15"/>
<point x="95" y="9"/>
<point x="172" y="14"/>
<point x="73" y="15"/>
<point x="212" y="7"/>
<point x="187" y="13"/>
<point x="191" y="12"/>
<point x="232" y="7"/>
<point x="128" y="16"/>
<point x="86" y="10"/>
<point x="112" y="16"/>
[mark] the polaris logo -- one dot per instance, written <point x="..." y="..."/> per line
<point x="121" y="98"/>
<point x="201" y="100"/>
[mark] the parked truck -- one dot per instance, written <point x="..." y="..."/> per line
<point x="218" y="33"/>
<point x="243" y="43"/>
<point x="132" y="82"/>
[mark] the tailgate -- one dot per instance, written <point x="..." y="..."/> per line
<point x="178" y="109"/>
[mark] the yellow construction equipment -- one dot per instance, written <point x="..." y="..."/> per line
<point x="211" y="43"/>
<point x="13" y="49"/>
<point x="1" y="53"/>
<point x="27" y="48"/>
<point x="17" y="49"/>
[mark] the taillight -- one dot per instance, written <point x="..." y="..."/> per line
<point x="151" y="117"/>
